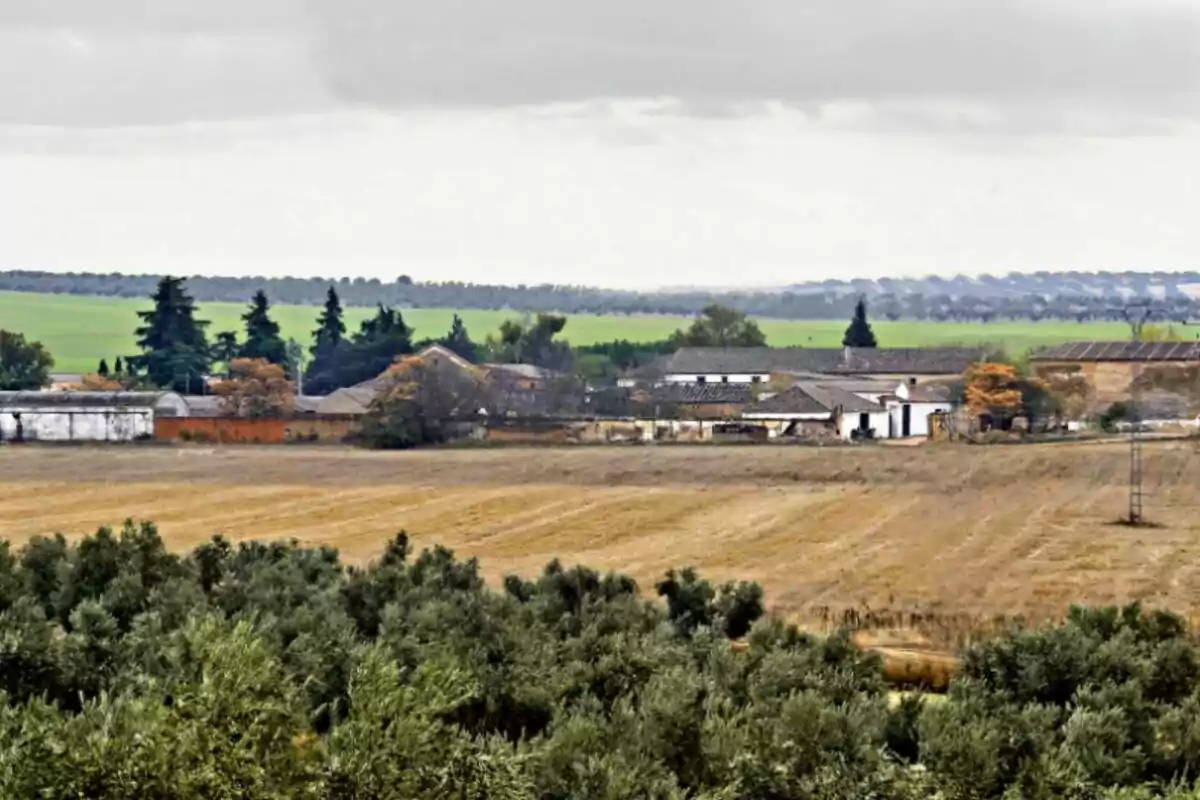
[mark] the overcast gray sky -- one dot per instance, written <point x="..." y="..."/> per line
<point x="629" y="142"/>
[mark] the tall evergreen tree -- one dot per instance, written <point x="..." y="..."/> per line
<point x="174" y="347"/>
<point x="102" y="370"/>
<point x="262" y="333"/>
<point x="331" y="327"/>
<point x="459" y="341"/>
<point x="859" y="333"/>
<point x="329" y="343"/>
<point x="119" y="367"/>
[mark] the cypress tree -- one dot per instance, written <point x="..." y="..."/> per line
<point x="119" y="367"/>
<point x="102" y="370"/>
<point x="174" y="347"/>
<point x="262" y="333"/>
<point x="859" y="333"/>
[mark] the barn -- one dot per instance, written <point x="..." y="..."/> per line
<point x="84" y="416"/>
<point x="1110" y="368"/>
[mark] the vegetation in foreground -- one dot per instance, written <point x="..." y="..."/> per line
<point x="272" y="671"/>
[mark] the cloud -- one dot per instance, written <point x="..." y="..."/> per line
<point x="965" y="65"/>
<point x="1140" y="55"/>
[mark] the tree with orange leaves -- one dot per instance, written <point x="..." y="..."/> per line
<point x="256" y="388"/>
<point x="420" y="398"/>
<point x="993" y="389"/>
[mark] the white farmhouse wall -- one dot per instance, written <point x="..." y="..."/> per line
<point x="65" y="424"/>
<point x="919" y="422"/>
<point x="850" y="421"/>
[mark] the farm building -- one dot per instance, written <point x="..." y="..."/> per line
<point x="752" y="365"/>
<point x="810" y="409"/>
<point x="697" y="401"/>
<point x="85" y="416"/>
<point x="1109" y="368"/>
<point x="852" y="408"/>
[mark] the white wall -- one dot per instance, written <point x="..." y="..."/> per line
<point x="676" y="377"/>
<point x="77" y="424"/>
<point x="919" y="424"/>
<point x="849" y="424"/>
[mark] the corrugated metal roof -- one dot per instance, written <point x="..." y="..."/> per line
<point x="83" y="399"/>
<point x="1122" y="351"/>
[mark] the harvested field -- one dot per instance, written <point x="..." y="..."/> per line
<point x="950" y="530"/>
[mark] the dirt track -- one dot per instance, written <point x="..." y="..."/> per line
<point x="978" y="530"/>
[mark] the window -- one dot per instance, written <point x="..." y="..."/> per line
<point x="756" y="379"/>
<point x="724" y="379"/>
<point x="700" y="379"/>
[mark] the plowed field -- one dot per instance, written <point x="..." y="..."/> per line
<point x="951" y="529"/>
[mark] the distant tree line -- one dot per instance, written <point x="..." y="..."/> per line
<point x="271" y="670"/>
<point x="1043" y="296"/>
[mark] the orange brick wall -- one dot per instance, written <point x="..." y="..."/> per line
<point x="235" y="430"/>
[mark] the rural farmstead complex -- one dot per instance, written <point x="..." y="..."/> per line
<point x="599" y="400"/>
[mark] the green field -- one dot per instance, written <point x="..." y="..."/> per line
<point x="79" y="331"/>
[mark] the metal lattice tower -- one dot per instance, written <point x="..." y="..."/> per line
<point x="1137" y="315"/>
<point x="1136" y="493"/>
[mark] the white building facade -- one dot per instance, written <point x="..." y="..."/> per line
<point x="84" y="416"/>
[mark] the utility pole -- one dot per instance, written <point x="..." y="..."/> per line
<point x="1137" y="315"/>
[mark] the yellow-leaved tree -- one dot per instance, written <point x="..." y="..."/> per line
<point x="993" y="389"/>
<point x="256" y="389"/>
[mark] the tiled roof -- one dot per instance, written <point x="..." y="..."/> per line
<point x="828" y="361"/>
<point x="1122" y="351"/>
<point x="811" y="398"/>
<point x="790" y="401"/>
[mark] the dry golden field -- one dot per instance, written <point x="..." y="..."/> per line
<point x="942" y="528"/>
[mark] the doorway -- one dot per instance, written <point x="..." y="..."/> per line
<point x="906" y="421"/>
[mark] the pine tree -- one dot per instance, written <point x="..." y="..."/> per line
<point x="262" y="333"/>
<point x="102" y="370"/>
<point x="331" y="328"/>
<point x="119" y="367"/>
<point x="859" y="333"/>
<point x="174" y="348"/>
<point x="329" y="343"/>
<point x="459" y="341"/>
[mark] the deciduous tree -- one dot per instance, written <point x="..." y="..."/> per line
<point x="719" y="326"/>
<point x="993" y="389"/>
<point x="420" y="398"/>
<point x="256" y="388"/>
<point x="23" y="364"/>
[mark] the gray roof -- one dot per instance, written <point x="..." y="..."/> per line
<point x="1122" y="351"/>
<point x="84" y="399"/>
<point x="523" y="371"/>
<point x="790" y="401"/>
<point x="207" y="405"/>
<point x="811" y="398"/>
<point x="827" y="361"/>
<point x="705" y="393"/>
